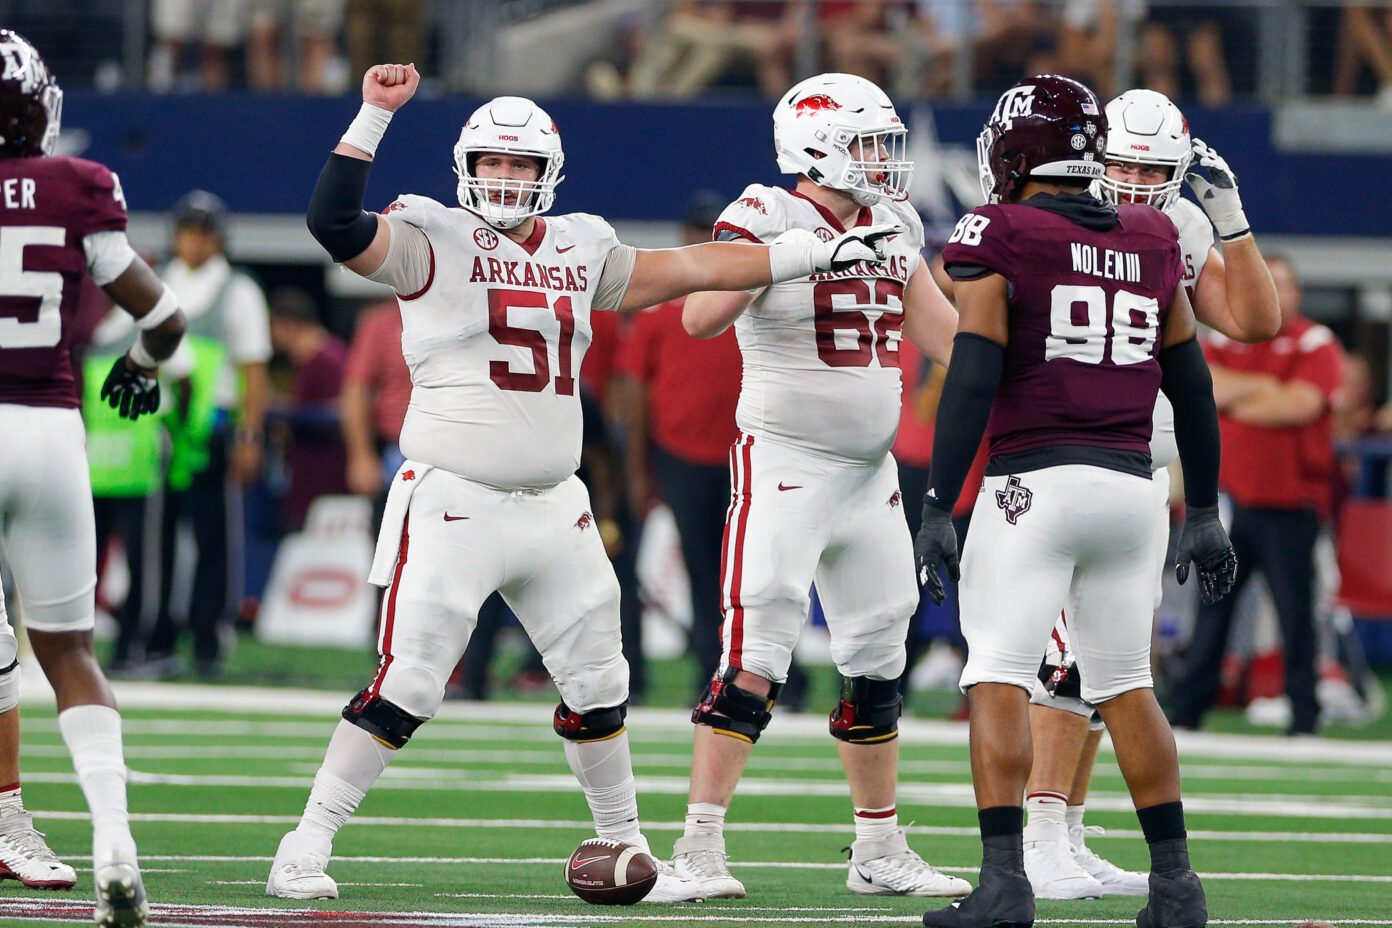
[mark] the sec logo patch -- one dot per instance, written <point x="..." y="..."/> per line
<point x="486" y="239"/>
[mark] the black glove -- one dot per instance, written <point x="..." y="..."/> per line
<point x="936" y="543"/>
<point x="129" y="391"/>
<point x="1204" y="541"/>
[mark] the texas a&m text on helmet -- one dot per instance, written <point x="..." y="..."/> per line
<point x="1046" y="127"/>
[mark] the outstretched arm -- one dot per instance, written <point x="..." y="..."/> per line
<point x="352" y="236"/>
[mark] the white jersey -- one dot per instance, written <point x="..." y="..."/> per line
<point x="495" y="339"/>
<point x="1195" y="243"/>
<point x="821" y="354"/>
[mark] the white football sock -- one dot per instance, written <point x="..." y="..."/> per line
<point x="351" y="765"/>
<point x="876" y="823"/>
<point x="1074" y="818"/>
<point x="605" y="772"/>
<point x="705" y="818"/>
<point x="1043" y="807"/>
<point x="93" y="736"/>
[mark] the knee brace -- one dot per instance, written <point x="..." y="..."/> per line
<point x="387" y="723"/>
<point x="595" y="725"/>
<point x="733" y="711"/>
<point x="868" y="712"/>
<point x="9" y="685"/>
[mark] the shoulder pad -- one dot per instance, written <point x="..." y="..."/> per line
<point x="758" y="215"/>
<point x="584" y="229"/>
<point x="417" y="210"/>
<point x="903" y="211"/>
<point x="103" y="202"/>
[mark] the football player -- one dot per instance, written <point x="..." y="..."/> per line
<point x="1073" y="315"/>
<point x="1150" y="154"/>
<point x="61" y="218"/>
<point x="496" y="304"/>
<point x="815" y="491"/>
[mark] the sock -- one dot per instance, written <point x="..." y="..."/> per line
<point x="1002" y="837"/>
<point x="1046" y="807"/>
<point x="876" y="823"/>
<point x="1166" y="836"/>
<point x="10" y="792"/>
<point x="704" y="818"/>
<point x="93" y="737"/>
<point x="605" y="771"/>
<point x="352" y="763"/>
<point x="1074" y="817"/>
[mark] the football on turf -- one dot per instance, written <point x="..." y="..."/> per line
<point x="606" y="872"/>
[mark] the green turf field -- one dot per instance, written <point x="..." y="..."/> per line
<point x="470" y="826"/>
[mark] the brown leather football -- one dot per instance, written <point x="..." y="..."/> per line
<point x="607" y="872"/>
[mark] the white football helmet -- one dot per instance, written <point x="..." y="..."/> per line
<point x="843" y="133"/>
<point x="517" y="126"/>
<point x="1144" y="127"/>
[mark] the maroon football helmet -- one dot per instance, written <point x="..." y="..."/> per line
<point x="31" y="103"/>
<point x="1045" y="126"/>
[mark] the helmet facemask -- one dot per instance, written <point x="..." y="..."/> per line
<point x="877" y="166"/>
<point x="1145" y="128"/>
<point x="506" y="203"/>
<point x="52" y="101"/>
<point x="1161" y="196"/>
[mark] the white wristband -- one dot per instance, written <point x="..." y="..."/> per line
<point x="167" y="306"/>
<point x="792" y="255"/>
<point x="141" y="357"/>
<point x="367" y="128"/>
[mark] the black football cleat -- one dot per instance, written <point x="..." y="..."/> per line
<point x="1002" y="899"/>
<point x="1176" y="901"/>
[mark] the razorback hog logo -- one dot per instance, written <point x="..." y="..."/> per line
<point x="753" y="203"/>
<point x="393" y="206"/>
<point x="585" y="521"/>
<point x="816" y="103"/>
<point x="1017" y="101"/>
<point x="895" y="499"/>
<point x="1014" y="499"/>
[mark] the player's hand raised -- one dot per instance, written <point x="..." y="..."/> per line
<point x="390" y="85"/>
<point x="936" y="543"/>
<point x="1205" y="542"/>
<point x="130" y="391"/>
<point x="1217" y="193"/>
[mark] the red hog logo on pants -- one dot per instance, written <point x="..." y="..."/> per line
<point x="818" y="102"/>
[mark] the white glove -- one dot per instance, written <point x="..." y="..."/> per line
<point x="797" y="253"/>
<point x="1217" y="193"/>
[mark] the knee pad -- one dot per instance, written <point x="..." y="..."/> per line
<point x="387" y="723"/>
<point x="595" y="725"/>
<point x="9" y="685"/>
<point x="868" y="712"/>
<point x="733" y="711"/>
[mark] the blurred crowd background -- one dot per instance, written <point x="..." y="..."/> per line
<point x="249" y="505"/>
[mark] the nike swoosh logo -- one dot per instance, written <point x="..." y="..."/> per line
<point x="561" y="251"/>
<point x="583" y="861"/>
<point x="863" y="875"/>
<point x="785" y="487"/>
<point x="450" y="518"/>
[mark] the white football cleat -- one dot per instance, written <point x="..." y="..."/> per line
<point x="25" y="856"/>
<point x="121" y="899"/>
<point x="701" y="859"/>
<point x="888" y="866"/>
<point x="1115" y="881"/>
<point x="672" y="888"/>
<point x="1052" y="870"/>
<point x="298" y="870"/>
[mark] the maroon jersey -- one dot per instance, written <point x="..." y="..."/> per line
<point x="1087" y="306"/>
<point x="47" y="206"/>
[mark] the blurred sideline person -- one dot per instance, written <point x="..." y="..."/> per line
<point x="1073" y="315"/>
<point x="217" y="449"/>
<point x="815" y="492"/>
<point x="376" y="392"/>
<point x="64" y="217"/>
<point x="496" y="303"/>
<point x="1149" y="156"/>
<point x="1276" y="403"/>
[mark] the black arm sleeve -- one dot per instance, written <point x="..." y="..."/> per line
<point x="336" y="218"/>
<point x="968" y="391"/>
<point x="1186" y="381"/>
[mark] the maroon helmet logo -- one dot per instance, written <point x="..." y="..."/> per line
<point x="486" y="239"/>
<point x="1014" y="499"/>
<point x="816" y="103"/>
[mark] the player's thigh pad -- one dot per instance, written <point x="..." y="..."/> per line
<point x="445" y="570"/>
<point x="775" y="531"/>
<point x="1160" y="537"/>
<point x="9" y="663"/>
<point x="1112" y="600"/>
<point x="49" y="529"/>
<point x="563" y="589"/>
<point x="1016" y="571"/>
<point x="866" y="576"/>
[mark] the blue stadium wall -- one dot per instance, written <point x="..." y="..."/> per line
<point x="624" y="161"/>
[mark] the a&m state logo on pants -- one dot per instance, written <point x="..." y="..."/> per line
<point x="1014" y="499"/>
